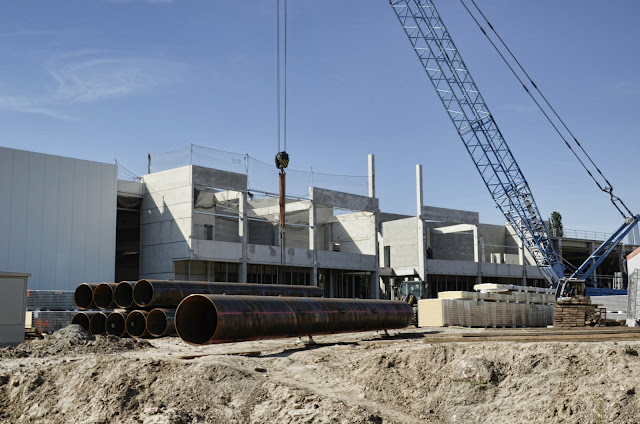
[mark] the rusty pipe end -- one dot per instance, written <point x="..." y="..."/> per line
<point x="83" y="296"/>
<point x="103" y="295"/>
<point x="115" y="324"/>
<point x="136" y="323"/>
<point x="123" y="294"/>
<point x="81" y="319"/>
<point x="97" y="324"/>
<point x="196" y="319"/>
<point x="160" y="322"/>
<point x="143" y="293"/>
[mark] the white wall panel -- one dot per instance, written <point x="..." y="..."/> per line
<point x="35" y="214"/>
<point x="48" y="247"/>
<point x="57" y="219"/>
<point x="18" y="219"/>
<point x="65" y="205"/>
<point x="6" y="172"/>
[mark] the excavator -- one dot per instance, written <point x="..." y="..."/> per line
<point x="479" y="132"/>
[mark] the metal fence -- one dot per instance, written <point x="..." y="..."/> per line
<point x="261" y="176"/>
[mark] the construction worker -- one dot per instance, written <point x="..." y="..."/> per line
<point x="429" y="253"/>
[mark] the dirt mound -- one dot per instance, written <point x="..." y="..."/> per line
<point x="72" y="340"/>
<point x="380" y="381"/>
<point x="104" y="390"/>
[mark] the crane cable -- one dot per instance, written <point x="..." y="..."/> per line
<point x="608" y="188"/>
<point x="281" y="77"/>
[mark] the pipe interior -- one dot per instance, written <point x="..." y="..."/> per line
<point x="156" y="322"/>
<point x="82" y="320"/>
<point x="115" y="324"/>
<point x="143" y="293"/>
<point x="123" y="295"/>
<point x="103" y="296"/>
<point x="136" y="324"/>
<point x="97" y="324"/>
<point x="196" y="319"/>
<point x="83" y="296"/>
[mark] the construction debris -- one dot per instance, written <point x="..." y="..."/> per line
<point x="576" y="311"/>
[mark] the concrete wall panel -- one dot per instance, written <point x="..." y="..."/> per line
<point x="432" y="213"/>
<point x="342" y="200"/>
<point x="219" y="179"/>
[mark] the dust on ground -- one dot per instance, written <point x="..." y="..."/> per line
<point x="348" y="378"/>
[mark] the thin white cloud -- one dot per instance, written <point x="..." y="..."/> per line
<point x="94" y="76"/>
<point x="25" y="105"/>
<point x="90" y="76"/>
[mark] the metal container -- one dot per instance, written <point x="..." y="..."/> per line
<point x="161" y="322"/>
<point x="136" y="323"/>
<point x="156" y="293"/>
<point x="97" y="323"/>
<point x="83" y="296"/>
<point x="206" y="319"/>
<point x="83" y="319"/>
<point x="116" y="323"/>
<point x="103" y="295"/>
<point x="123" y="294"/>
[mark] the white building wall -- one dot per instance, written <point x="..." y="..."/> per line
<point x="57" y="219"/>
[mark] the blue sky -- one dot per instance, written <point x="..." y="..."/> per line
<point x="99" y="79"/>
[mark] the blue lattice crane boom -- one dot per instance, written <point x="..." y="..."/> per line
<point x="478" y="130"/>
<point x="485" y="144"/>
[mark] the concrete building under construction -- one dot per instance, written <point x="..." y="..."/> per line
<point x="217" y="219"/>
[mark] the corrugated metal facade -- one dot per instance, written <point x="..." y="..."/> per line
<point x="57" y="219"/>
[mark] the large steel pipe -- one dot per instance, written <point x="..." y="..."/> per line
<point x="161" y="322"/>
<point x="206" y="319"/>
<point x="103" y="295"/>
<point x="123" y="294"/>
<point x="155" y="293"/>
<point x="136" y="323"/>
<point x="83" y="296"/>
<point x="83" y="319"/>
<point x="116" y="323"/>
<point x="97" y="324"/>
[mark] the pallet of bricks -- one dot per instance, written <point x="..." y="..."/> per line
<point x="577" y="311"/>
<point x="490" y="306"/>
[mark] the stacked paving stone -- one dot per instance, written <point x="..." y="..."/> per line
<point x="575" y="311"/>
<point x="492" y="305"/>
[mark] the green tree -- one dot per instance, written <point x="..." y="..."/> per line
<point x="555" y="225"/>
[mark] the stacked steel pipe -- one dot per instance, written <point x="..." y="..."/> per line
<point x="147" y="307"/>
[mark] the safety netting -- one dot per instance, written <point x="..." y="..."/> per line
<point x="261" y="176"/>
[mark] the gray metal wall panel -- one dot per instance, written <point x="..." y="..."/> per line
<point x="35" y="214"/>
<point x="107" y="249"/>
<point x="46" y="279"/>
<point x="59" y="219"/>
<point x="65" y="222"/>
<point x="6" y="170"/>
<point x="79" y="211"/>
<point x="92" y="236"/>
<point x="18" y="219"/>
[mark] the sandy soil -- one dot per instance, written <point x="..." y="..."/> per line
<point x="348" y="378"/>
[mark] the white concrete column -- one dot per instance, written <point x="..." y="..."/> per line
<point x="422" y="250"/>
<point x="372" y="176"/>
<point x="419" y="191"/>
<point x="480" y="259"/>
<point x="476" y="245"/>
<point x="374" y="284"/>
<point x="243" y="230"/>
<point x="313" y="243"/>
